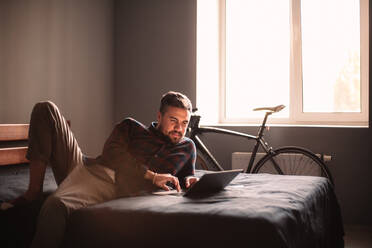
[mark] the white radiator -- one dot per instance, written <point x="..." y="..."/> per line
<point x="240" y="160"/>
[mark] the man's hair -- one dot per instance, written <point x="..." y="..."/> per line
<point x="175" y="99"/>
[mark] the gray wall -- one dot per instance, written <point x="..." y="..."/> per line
<point x="154" y="53"/>
<point x="155" y="45"/>
<point x="60" y="51"/>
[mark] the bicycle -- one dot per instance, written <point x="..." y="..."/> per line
<point x="289" y="160"/>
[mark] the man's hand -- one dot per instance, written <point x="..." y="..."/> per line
<point x="190" y="181"/>
<point x="161" y="180"/>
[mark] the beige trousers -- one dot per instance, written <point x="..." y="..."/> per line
<point x="80" y="184"/>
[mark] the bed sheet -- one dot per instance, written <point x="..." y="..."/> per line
<point x="258" y="210"/>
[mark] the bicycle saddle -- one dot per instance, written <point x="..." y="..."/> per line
<point x="271" y="109"/>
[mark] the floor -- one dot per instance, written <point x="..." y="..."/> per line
<point x="358" y="236"/>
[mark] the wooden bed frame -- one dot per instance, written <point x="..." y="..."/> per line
<point x="13" y="137"/>
<point x="13" y="143"/>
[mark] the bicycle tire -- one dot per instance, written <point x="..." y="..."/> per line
<point x="203" y="162"/>
<point x="293" y="161"/>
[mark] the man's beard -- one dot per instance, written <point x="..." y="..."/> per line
<point x="175" y="139"/>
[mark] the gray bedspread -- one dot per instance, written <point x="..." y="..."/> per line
<point x="14" y="181"/>
<point x="254" y="211"/>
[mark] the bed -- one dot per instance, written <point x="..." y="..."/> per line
<point x="260" y="210"/>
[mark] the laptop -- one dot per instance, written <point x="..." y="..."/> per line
<point x="209" y="183"/>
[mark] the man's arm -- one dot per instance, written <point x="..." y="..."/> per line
<point x="115" y="152"/>
<point x="186" y="174"/>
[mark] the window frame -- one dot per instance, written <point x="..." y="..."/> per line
<point x="296" y="115"/>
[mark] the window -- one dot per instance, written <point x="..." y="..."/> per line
<point x="300" y="53"/>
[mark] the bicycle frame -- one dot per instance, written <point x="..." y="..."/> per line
<point x="194" y="130"/>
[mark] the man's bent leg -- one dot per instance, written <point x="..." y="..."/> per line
<point x="51" y="141"/>
<point x="36" y="179"/>
<point x="80" y="189"/>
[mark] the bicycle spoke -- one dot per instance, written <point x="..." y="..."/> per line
<point x="293" y="161"/>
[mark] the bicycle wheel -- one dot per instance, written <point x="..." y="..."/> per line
<point x="203" y="162"/>
<point x="293" y="161"/>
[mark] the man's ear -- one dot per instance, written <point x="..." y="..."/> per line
<point x="159" y="116"/>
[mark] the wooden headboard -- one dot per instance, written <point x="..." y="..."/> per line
<point x="13" y="152"/>
<point x="13" y="143"/>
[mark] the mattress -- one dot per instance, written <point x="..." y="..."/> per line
<point x="255" y="210"/>
<point x="260" y="210"/>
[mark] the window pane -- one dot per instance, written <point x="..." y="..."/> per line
<point x="331" y="55"/>
<point x="257" y="56"/>
<point x="207" y="91"/>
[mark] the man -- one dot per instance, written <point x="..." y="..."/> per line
<point x="135" y="160"/>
